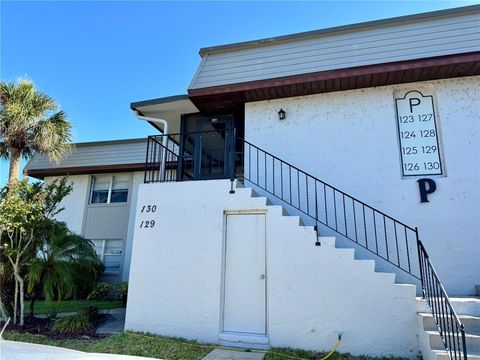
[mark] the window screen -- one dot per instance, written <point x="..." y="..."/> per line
<point x="110" y="189"/>
<point x="101" y="185"/>
<point x="120" y="188"/>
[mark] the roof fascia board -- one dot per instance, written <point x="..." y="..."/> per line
<point x="335" y="74"/>
<point x="82" y="170"/>
<point x="111" y="142"/>
<point x="163" y="100"/>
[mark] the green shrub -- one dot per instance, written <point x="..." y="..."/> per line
<point x="91" y="312"/>
<point x="99" y="292"/>
<point x="120" y="291"/>
<point x="71" y="325"/>
<point x="52" y="308"/>
<point x="86" y="280"/>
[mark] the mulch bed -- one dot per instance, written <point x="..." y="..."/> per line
<point x="43" y="326"/>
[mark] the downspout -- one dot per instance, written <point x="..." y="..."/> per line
<point x="164" y="138"/>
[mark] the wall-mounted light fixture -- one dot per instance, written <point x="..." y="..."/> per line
<point x="282" y="115"/>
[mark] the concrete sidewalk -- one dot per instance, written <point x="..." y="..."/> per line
<point x="224" y="354"/>
<point x="13" y="350"/>
<point x="114" y="323"/>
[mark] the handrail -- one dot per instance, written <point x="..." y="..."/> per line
<point x="327" y="184"/>
<point x="449" y="325"/>
<point x="370" y="228"/>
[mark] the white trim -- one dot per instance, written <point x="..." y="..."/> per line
<point x="109" y="195"/>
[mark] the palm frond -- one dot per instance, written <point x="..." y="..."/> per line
<point x="53" y="137"/>
<point x="69" y="260"/>
<point x="4" y="150"/>
<point x="29" y="122"/>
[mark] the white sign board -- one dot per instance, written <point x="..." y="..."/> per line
<point x="417" y="131"/>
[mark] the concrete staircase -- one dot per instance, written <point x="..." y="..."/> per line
<point x="325" y="241"/>
<point x="346" y="260"/>
<point x="431" y="344"/>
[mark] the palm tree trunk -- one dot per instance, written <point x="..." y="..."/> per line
<point x="15" y="157"/>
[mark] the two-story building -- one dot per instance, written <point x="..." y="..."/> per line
<point x="311" y="186"/>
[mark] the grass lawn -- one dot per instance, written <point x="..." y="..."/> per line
<point x="43" y="307"/>
<point x="163" y="347"/>
<point x="125" y="344"/>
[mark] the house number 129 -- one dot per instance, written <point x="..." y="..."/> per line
<point x="147" y="224"/>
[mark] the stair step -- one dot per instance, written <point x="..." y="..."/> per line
<point x="388" y="276"/>
<point x="443" y="355"/>
<point x="277" y="209"/>
<point x="255" y="193"/>
<point x="466" y="305"/>
<point x="369" y="264"/>
<point x="243" y="340"/>
<point x="328" y="241"/>
<point x="345" y="252"/>
<point x="410" y="289"/>
<point x="462" y="305"/>
<point x="471" y="323"/>
<point x="473" y="342"/>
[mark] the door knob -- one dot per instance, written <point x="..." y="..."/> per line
<point x="262" y="276"/>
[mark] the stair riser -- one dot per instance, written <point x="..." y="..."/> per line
<point x="469" y="307"/>
<point x="327" y="241"/>
<point x="446" y="357"/>
<point x="472" y="326"/>
<point x="473" y="344"/>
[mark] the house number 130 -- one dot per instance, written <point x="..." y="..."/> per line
<point x="149" y="208"/>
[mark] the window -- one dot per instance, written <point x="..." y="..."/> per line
<point x="110" y="189"/>
<point x="110" y="252"/>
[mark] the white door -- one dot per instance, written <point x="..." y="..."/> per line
<point x="244" y="298"/>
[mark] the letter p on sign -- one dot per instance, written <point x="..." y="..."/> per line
<point x="426" y="187"/>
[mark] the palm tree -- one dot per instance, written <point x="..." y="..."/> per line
<point x="29" y="123"/>
<point x="65" y="261"/>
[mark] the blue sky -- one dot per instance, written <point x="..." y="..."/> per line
<point x="95" y="58"/>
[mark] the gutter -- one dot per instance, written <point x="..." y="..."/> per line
<point x="157" y="122"/>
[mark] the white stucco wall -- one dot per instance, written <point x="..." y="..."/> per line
<point x="313" y="293"/>
<point x="349" y="139"/>
<point x="74" y="203"/>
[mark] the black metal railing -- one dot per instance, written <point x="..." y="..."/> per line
<point x="451" y="329"/>
<point x="372" y="229"/>
<point x="161" y="160"/>
<point x="187" y="157"/>
<point x="381" y="234"/>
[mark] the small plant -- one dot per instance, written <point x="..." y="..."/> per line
<point x="91" y="312"/>
<point x="71" y="325"/>
<point x="99" y="291"/>
<point x="52" y="309"/>
<point x="121" y="291"/>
